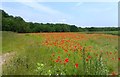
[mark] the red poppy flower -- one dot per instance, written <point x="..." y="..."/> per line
<point x="119" y="59"/>
<point x="112" y="58"/>
<point x="75" y="47"/>
<point x="76" y="65"/>
<point x="66" y="50"/>
<point x="89" y="57"/>
<point x="58" y="56"/>
<point x="110" y="52"/>
<point x="66" y="60"/>
<point x="87" y="60"/>
<point x="57" y="60"/>
<point x="81" y="48"/>
<point x="113" y="73"/>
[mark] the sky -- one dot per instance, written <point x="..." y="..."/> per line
<point x="81" y="14"/>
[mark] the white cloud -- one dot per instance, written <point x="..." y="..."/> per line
<point x="44" y="13"/>
<point x="53" y="13"/>
<point x="40" y="7"/>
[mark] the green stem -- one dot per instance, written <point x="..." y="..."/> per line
<point x="84" y="63"/>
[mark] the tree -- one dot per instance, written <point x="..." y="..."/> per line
<point x="73" y="28"/>
<point x="17" y="24"/>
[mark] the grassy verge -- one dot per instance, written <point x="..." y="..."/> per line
<point x="27" y="52"/>
<point x="0" y="42"/>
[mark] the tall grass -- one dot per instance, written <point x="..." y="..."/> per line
<point x="92" y="67"/>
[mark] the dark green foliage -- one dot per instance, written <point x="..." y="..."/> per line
<point x="103" y="29"/>
<point x="73" y="28"/>
<point x="17" y="24"/>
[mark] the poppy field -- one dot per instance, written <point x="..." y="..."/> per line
<point x="60" y="54"/>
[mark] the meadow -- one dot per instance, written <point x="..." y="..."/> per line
<point x="60" y="53"/>
<point x="104" y="32"/>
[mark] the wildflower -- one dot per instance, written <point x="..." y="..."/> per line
<point x="58" y="56"/>
<point x="76" y="65"/>
<point x="57" y="60"/>
<point x="66" y="60"/>
<point x="112" y="58"/>
<point x="66" y="50"/>
<point x="89" y="57"/>
<point x="38" y="64"/>
<point x="110" y="52"/>
<point x="81" y="48"/>
<point x="42" y="65"/>
<point x="87" y="60"/>
<point x="75" y="47"/>
<point x="119" y="59"/>
<point x="113" y="73"/>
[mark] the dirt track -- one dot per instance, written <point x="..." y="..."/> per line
<point x="5" y="57"/>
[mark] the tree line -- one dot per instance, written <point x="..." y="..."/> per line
<point x="17" y="24"/>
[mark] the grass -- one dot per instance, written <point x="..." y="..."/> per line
<point x="60" y="53"/>
<point x="27" y="52"/>
<point x="105" y="32"/>
<point x="0" y="42"/>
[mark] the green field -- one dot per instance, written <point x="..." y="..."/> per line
<point x="60" y="53"/>
<point x="0" y="42"/>
<point x="105" y="32"/>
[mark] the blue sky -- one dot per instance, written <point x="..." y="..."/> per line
<point x="83" y="14"/>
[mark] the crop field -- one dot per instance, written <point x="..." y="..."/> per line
<point x="60" y="54"/>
